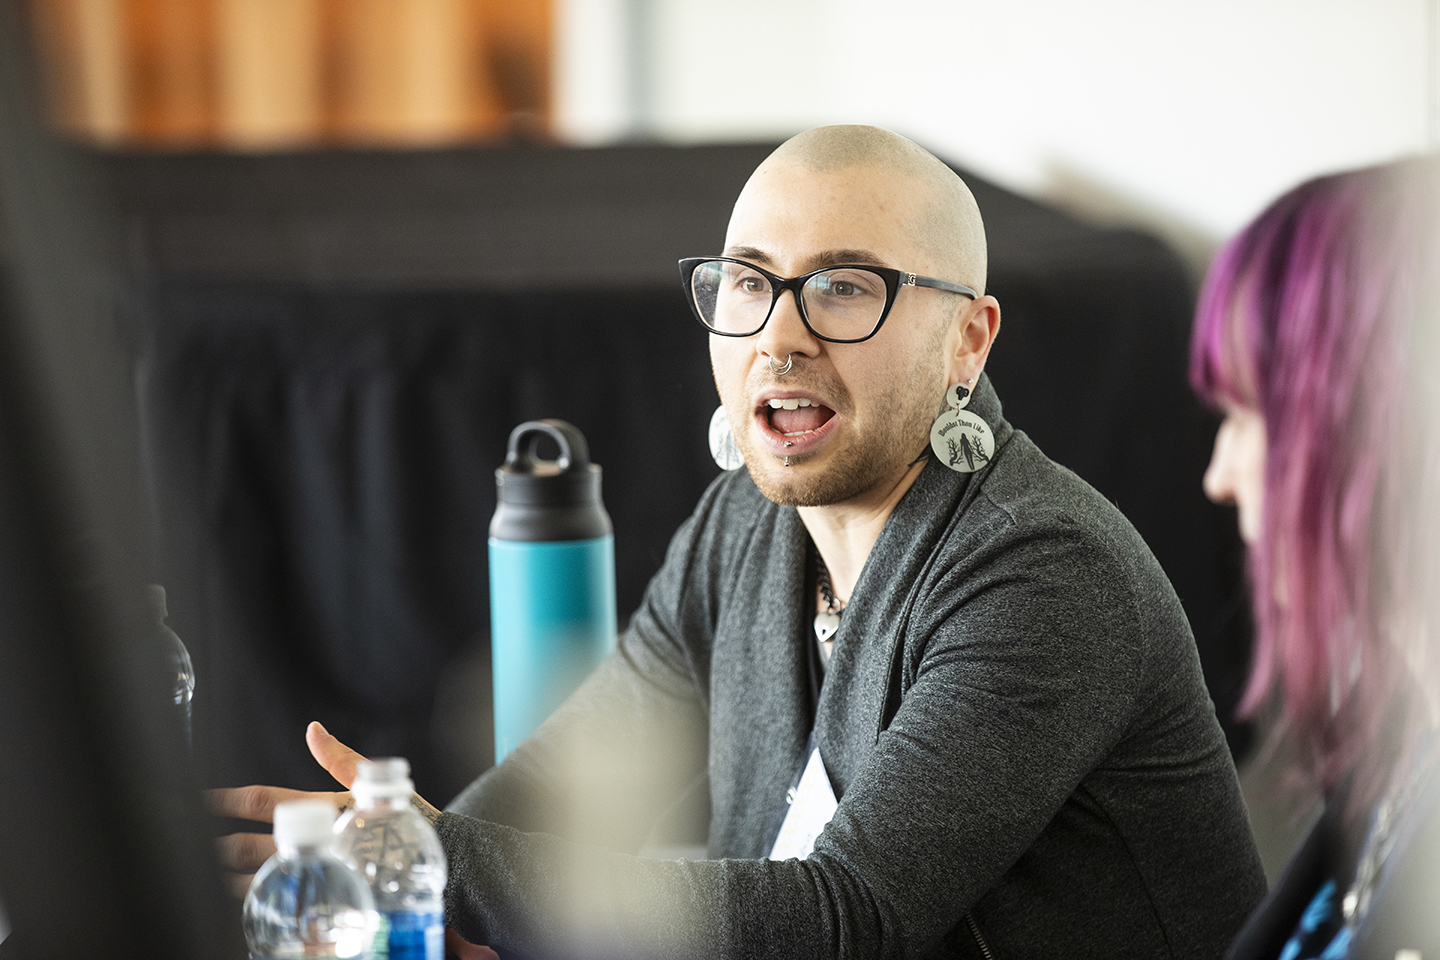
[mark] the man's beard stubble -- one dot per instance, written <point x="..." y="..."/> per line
<point x="896" y="432"/>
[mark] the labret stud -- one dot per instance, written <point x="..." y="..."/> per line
<point x="787" y="461"/>
<point x="789" y="443"/>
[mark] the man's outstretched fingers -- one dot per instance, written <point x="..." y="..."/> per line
<point x="256" y="802"/>
<point x="338" y="760"/>
<point x="244" y="851"/>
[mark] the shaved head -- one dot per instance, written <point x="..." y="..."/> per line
<point x="948" y="225"/>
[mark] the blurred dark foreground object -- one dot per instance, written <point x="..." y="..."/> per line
<point x="103" y="850"/>
<point x="334" y="345"/>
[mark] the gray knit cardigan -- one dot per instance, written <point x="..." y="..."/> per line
<point x="1014" y="720"/>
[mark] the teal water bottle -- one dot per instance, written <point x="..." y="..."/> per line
<point x="552" y="578"/>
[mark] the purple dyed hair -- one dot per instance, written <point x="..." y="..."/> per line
<point x="1317" y="316"/>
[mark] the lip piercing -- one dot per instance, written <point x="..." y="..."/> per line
<point x="787" y="461"/>
<point x="783" y="369"/>
<point x="789" y="443"/>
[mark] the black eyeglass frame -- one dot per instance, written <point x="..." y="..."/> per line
<point x="894" y="280"/>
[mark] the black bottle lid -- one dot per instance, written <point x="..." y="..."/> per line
<point x="539" y="500"/>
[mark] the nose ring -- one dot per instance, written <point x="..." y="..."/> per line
<point x="783" y="369"/>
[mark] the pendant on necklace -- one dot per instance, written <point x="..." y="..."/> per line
<point x="826" y="623"/>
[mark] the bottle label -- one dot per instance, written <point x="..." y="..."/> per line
<point x="410" y="935"/>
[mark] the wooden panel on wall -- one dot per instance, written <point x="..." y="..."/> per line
<point x="171" y="80"/>
<point x="267" y="74"/>
<point x="270" y="71"/>
<point x="521" y="59"/>
<point x="405" y="71"/>
<point x="84" y="50"/>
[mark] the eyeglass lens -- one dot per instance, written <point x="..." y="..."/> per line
<point x="842" y="304"/>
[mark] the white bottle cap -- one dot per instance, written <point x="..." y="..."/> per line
<point x="303" y="823"/>
<point x="387" y="778"/>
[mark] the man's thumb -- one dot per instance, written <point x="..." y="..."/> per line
<point x="338" y="760"/>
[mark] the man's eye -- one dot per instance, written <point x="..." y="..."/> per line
<point x="845" y="285"/>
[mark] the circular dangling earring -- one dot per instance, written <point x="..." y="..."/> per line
<point x="962" y="441"/>
<point x="783" y="369"/>
<point x="722" y="442"/>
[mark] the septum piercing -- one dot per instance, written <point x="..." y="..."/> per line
<point x="780" y="371"/>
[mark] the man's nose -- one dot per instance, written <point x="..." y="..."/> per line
<point x="785" y="333"/>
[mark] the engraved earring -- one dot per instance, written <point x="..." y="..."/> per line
<point x="722" y="442"/>
<point x="961" y="440"/>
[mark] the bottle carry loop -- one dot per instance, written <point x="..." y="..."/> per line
<point x="574" y="451"/>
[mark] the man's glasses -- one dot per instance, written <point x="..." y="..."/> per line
<point x="842" y="304"/>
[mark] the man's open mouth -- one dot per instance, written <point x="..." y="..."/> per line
<point x="796" y="416"/>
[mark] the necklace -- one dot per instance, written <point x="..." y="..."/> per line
<point x="827" y="621"/>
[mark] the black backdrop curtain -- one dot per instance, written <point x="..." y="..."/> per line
<point x="326" y="478"/>
<point x="332" y="349"/>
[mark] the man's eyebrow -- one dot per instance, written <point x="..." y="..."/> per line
<point x="753" y="254"/>
<point x="826" y="259"/>
<point x="830" y="257"/>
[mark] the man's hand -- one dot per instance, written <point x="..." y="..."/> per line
<point x="340" y="762"/>
<point x="244" y="853"/>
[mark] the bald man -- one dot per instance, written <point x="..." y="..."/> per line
<point x="942" y="698"/>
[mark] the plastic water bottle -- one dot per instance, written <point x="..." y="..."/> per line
<point x="552" y="578"/>
<point x="181" y="673"/>
<point x="306" y="901"/>
<point x="399" y="854"/>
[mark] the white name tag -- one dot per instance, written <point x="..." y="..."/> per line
<point x="812" y="804"/>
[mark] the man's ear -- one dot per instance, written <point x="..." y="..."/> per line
<point x="975" y="332"/>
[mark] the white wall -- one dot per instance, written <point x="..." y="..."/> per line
<point x="1188" y="115"/>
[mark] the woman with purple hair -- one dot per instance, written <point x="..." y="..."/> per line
<point x="1316" y="335"/>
